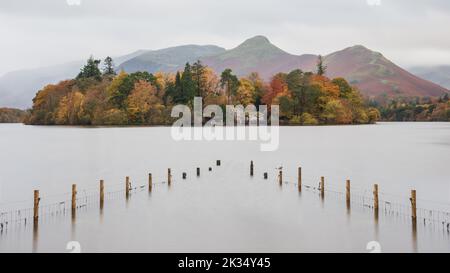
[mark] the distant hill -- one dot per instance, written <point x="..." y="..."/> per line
<point x="376" y="76"/>
<point x="257" y="54"/>
<point x="169" y="59"/>
<point x="18" y="88"/>
<point x="437" y="74"/>
<point x="370" y="71"/>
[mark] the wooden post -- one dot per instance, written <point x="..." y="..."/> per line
<point x="36" y="205"/>
<point x="251" y="168"/>
<point x="218" y="162"/>
<point x="209" y="169"/>
<point x="322" y="186"/>
<point x="74" y="197"/>
<point x="169" y="176"/>
<point x="347" y="191"/>
<point x="102" y="193"/>
<point x="184" y="175"/>
<point x="127" y="187"/>
<point x="198" y="171"/>
<point x="150" y="182"/>
<point x="280" y="177"/>
<point x="375" y="197"/>
<point x="299" y="179"/>
<point x="413" y="205"/>
<point x="265" y="175"/>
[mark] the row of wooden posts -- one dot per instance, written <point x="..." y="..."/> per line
<point x="280" y="181"/>
<point x="413" y="198"/>
<point x="102" y="190"/>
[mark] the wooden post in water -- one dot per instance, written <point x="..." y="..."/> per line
<point x="251" y="168"/>
<point x="74" y="197"/>
<point x="299" y="179"/>
<point x="198" y="171"/>
<point x="169" y="176"/>
<point x="280" y="177"/>
<point x="322" y="186"/>
<point x="36" y="205"/>
<point x="184" y="175"/>
<point x="127" y="187"/>
<point x="218" y="162"/>
<point x="375" y="197"/>
<point x="347" y="192"/>
<point x="413" y="205"/>
<point x="150" y="182"/>
<point x="102" y="193"/>
<point x="265" y="175"/>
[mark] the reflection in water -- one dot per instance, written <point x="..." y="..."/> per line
<point x="73" y="223"/>
<point x="376" y="222"/>
<point x="414" y="235"/>
<point x="35" y="235"/>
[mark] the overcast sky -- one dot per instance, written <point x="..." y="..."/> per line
<point x="45" y="32"/>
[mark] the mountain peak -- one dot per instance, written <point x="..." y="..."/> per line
<point x="258" y="40"/>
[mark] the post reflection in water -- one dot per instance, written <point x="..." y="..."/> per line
<point x="35" y="235"/>
<point x="414" y="235"/>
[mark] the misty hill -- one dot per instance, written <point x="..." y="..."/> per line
<point x="18" y="88"/>
<point x="169" y="59"/>
<point x="436" y="74"/>
<point x="257" y="54"/>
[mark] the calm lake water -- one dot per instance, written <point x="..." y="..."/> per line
<point x="225" y="210"/>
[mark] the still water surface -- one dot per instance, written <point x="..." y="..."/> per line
<point x="226" y="210"/>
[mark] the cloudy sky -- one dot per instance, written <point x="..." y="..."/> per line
<point x="45" y="32"/>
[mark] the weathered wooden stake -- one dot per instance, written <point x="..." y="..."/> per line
<point x="150" y="182"/>
<point x="36" y="205"/>
<point x="127" y="186"/>
<point x="218" y="162"/>
<point x="375" y="197"/>
<point x="347" y="191"/>
<point x="251" y="168"/>
<point x="184" y="175"/>
<point x="265" y="175"/>
<point x="169" y="176"/>
<point x="74" y="197"/>
<point x="102" y="193"/>
<point x="413" y="205"/>
<point x="209" y="169"/>
<point x="299" y="179"/>
<point x="322" y="186"/>
<point x="198" y="171"/>
<point x="280" y="177"/>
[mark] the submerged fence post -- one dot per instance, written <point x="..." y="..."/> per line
<point x="280" y="177"/>
<point x="102" y="193"/>
<point x="251" y="168"/>
<point x="36" y="205"/>
<point x="322" y="186"/>
<point x="74" y="197"/>
<point x="198" y="171"/>
<point x="150" y="182"/>
<point x="375" y="197"/>
<point x="218" y="162"/>
<point x="347" y="191"/>
<point x="127" y="187"/>
<point x="169" y="176"/>
<point x="413" y="205"/>
<point x="299" y="179"/>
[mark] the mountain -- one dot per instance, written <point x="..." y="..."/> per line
<point x="257" y="54"/>
<point x="376" y="76"/>
<point x="169" y="59"/>
<point x="370" y="71"/>
<point x="18" y="88"/>
<point x="437" y="74"/>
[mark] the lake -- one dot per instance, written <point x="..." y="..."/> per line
<point x="225" y="210"/>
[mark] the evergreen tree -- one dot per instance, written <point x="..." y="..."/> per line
<point x="321" y="67"/>
<point x="108" y="67"/>
<point x="90" y="70"/>
<point x="187" y="85"/>
<point x="198" y="75"/>
<point x="230" y="82"/>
